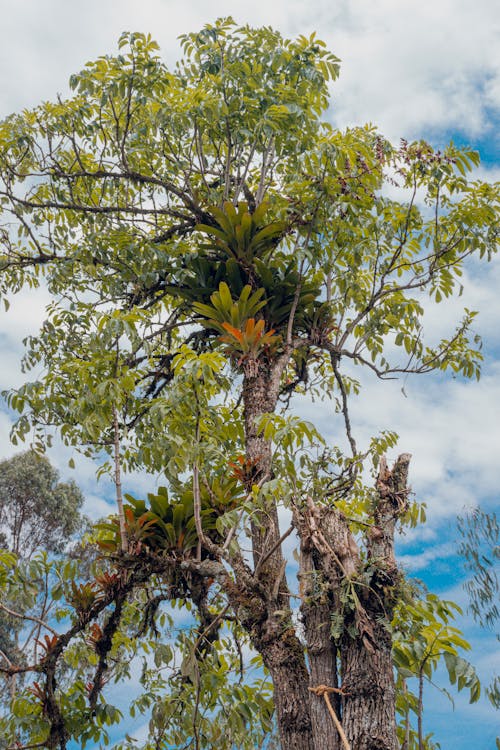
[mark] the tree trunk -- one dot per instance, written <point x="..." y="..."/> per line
<point x="283" y="655"/>
<point x="316" y="611"/>
<point x="369" y="694"/>
<point x="329" y="558"/>
<point x="273" y="635"/>
<point x="363" y="609"/>
<point x="367" y="668"/>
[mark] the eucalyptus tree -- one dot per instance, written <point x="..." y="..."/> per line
<point x="217" y="251"/>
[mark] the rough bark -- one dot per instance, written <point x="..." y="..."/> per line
<point x="367" y="680"/>
<point x="260" y="395"/>
<point x="316" y="611"/>
<point x="283" y="656"/>
<point x="391" y="501"/>
<point x="329" y="553"/>
<point x="367" y="668"/>
<point x="272" y="633"/>
<point x="364" y="607"/>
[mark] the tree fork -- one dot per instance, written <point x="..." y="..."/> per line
<point x="328" y="550"/>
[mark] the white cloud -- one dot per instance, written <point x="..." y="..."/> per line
<point x="23" y="318"/>
<point x="488" y="173"/>
<point x="25" y="315"/>
<point x="451" y="428"/>
<point x="408" y="67"/>
<point x="100" y="493"/>
<point x="420" y="561"/>
<point x="411" y="67"/>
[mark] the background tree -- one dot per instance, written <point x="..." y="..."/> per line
<point x="37" y="514"/>
<point x="480" y="548"/>
<point x="215" y="250"/>
<point x="37" y="511"/>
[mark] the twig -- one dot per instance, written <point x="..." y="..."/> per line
<point x="118" y="482"/>
<point x="277" y="583"/>
<point x="218" y="617"/>
<point x="197" y="509"/>
<point x="345" y="407"/>
<point x="318" y="537"/>
<point x="233" y="530"/>
<point x="12" y="674"/>
<point x="4" y="655"/>
<point x="196" y="482"/>
<point x="267" y="158"/>
<point x="293" y="309"/>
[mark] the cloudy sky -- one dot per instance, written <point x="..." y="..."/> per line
<point x="428" y="69"/>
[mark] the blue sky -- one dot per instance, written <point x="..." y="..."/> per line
<point x="429" y="69"/>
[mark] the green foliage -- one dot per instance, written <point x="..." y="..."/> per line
<point x="480" y="548"/>
<point x="181" y="693"/>
<point x="423" y="638"/>
<point x="167" y="524"/>
<point x="288" y="433"/>
<point x="169" y="212"/>
<point x="36" y="510"/>
<point x="36" y="587"/>
<point x="224" y="311"/>
<point x="424" y="635"/>
<point x="282" y="283"/>
<point x="241" y="234"/>
<point x="204" y="701"/>
<point x="127" y="216"/>
<point x="38" y="513"/>
<point x="251" y="340"/>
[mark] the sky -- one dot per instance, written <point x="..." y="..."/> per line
<point x="429" y="69"/>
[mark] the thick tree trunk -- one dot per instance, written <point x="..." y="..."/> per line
<point x="316" y="611"/>
<point x="367" y="668"/>
<point x="260" y="395"/>
<point x="369" y="695"/>
<point x="329" y="555"/>
<point x="363" y="608"/>
<point x="273" y="635"/>
<point x="283" y="656"/>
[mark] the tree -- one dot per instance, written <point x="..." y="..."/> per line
<point x="37" y="513"/>
<point x="479" y="547"/>
<point x="216" y="250"/>
<point x="36" y="510"/>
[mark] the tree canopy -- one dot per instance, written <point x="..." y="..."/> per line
<point x="217" y="251"/>
<point x="36" y="510"/>
<point x="38" y="515"/>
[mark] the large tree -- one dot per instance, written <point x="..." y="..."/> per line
<point x="217" y="251"/>
<point x="37" y="511"/>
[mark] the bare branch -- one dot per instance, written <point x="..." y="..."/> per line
<point x="31" y="618"/>
<point x="273" y="549"/>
